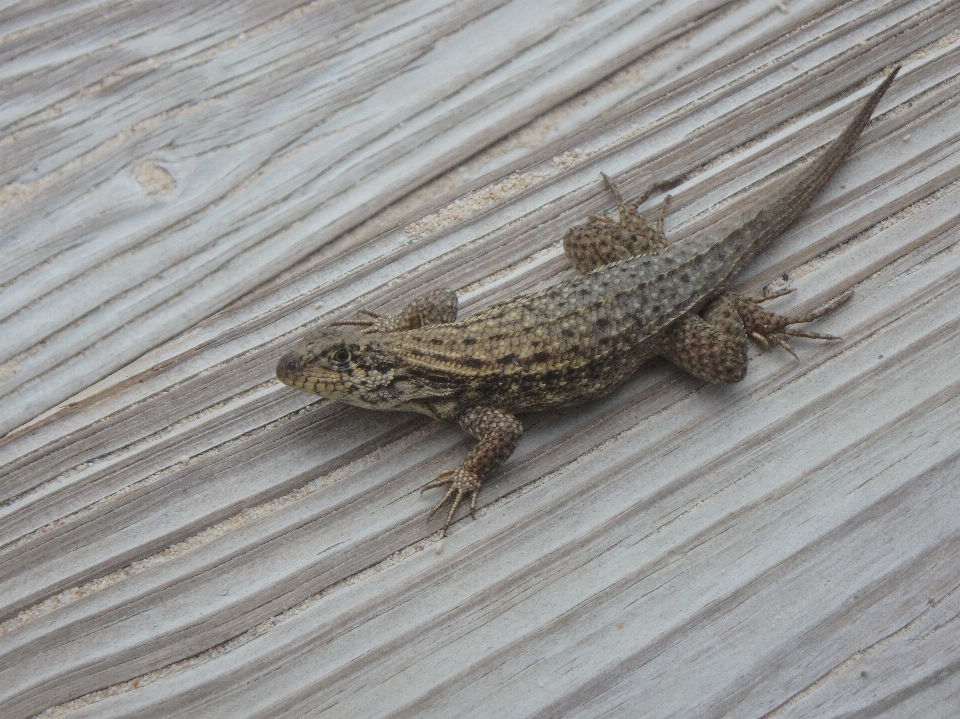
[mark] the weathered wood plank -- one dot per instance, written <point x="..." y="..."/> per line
<point x="188" y="538"/>
<point x="246" y="159"/>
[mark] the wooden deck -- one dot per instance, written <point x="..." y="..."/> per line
<point x="187" y="187"/>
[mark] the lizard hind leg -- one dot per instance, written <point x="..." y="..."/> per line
<point x="602" y="241"/>
<point x="764" y="327"/>
<point x="652" y="238"/>
<point x="714" y="346"/>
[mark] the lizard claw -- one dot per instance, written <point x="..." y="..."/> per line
<point x="765" y="327"/>
<point x="785" y="345"/>
<point x="462" y="482"/>
<point x="771" y="296"/>
<point x="376" y="323"/>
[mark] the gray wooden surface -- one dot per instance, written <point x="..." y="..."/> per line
<point x="187" y="187"/>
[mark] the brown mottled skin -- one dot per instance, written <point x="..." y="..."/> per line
<point x="638" y="297"/>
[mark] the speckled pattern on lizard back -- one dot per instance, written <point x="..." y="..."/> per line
<point x="637" y="297"/>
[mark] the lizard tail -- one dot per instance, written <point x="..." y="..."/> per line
<point x="837" y="151"/>
<point x="788" y="202"/>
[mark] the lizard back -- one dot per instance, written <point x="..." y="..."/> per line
<point x="579" y="338"/>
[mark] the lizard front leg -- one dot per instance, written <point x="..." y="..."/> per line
<point x="435" y="308"/>
<point x="714" y="346"/>
<point x="499" y="433"/>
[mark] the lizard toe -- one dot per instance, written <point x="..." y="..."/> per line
<point x="461" y="483"/>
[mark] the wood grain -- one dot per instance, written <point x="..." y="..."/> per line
<point x="187" y="188"/>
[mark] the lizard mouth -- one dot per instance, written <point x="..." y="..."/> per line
<point x="293" y="372"/>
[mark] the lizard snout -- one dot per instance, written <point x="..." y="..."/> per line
<point x="288" y="367"/>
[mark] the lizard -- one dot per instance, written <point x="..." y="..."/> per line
<point x="636" y="297"/>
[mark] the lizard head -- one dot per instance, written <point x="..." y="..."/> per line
<point x="358" y="368"/>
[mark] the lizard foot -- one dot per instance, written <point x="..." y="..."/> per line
<point x="462" y="482"/>
<point x="765" y="327"/>
<point x="435" y="308"/>
<point x="375" y="323"/>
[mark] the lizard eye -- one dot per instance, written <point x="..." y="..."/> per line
<point x="341" y="356"/>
